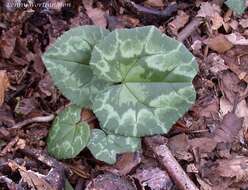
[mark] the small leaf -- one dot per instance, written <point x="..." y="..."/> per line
<point x="68" y="135"/>
<point x="105" y="147"/>
<point x="151" y="76"/>
<point x="2" y="143"/>
<point x="68" y="62"/>
<point x="68" y="185"/>
<point x="236" y="5"/>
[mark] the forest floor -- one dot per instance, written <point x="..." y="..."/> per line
<point x="209" y="141"/>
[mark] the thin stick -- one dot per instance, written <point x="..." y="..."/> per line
<point x="165" y="14"/>
<point x="187" y="31"/>
<point x="42" y="157"/>
<point x="7" y="181"/>
<point x="40" y="119"/>
<point x="158" y="146"/>
<point x="194" y="24"/>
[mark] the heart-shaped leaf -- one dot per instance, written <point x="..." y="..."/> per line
<point x="151" y="76"/>
<point x="68" y="62"/>
<point x="68" y="135"/>
<point x="105" y="147"/>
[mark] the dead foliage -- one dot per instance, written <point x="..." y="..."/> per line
<point x="208" y="145"/>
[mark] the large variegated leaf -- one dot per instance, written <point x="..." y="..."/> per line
<point x="68" y="135"/>
<point x="105" y="147"/>
<point x="67" y="60"/>
<point x="237" y="5"/>
<point x="152" y="81"/>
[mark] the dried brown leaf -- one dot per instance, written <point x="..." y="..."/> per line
<point x="97" y="15"/>
<point x="204" y="144"/>
<point x="244" y="23"/>
<point x="197" y="47"/>
<point x="225" y="106"/>
<point x="130" y="21"/>
<point x="207" y="107"/>
<point x="217" y="63"/>
<point x="6" y="116"/>
<point x="204" y="185"/>
<point x="33" y="179"/>
<point x="237" y="39"/>
<point x="229" y="128"/>
<point x="208" y="10"/>
<point x="179" y="146"/>
<point x="242" y="112"/>
<point x="178" y="143"/>
<point x="4" y="85"/>
<point x="242" y="109"/>
<point x="219" y="43"/>
<point x="234" y="24"/>
<point x="191" y="168"/>
<point x="122" y="21"/>
<point x="217" y="22"/>
<point x="110" y="181"/>
<point x="154" y="178"/>
<point x="127" y="162"/>
<point x="229" y="84"/>
<point x="25" y="106"/>
<point x="211" y="12"/>
<point x="154" y="3"/>
<point x="234" y="169"/>
<point x="88" y="116"/>
<point x="7" y="42"/>
<point x="46" y="85"/>
<point x="179" y="22"/>
<point x="237" y="61"/>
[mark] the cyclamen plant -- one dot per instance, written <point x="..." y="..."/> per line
<point x="138" y="82"/>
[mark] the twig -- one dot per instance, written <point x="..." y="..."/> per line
<point x="6" y="179"/>
<point x="10" y="184"/>
<point x="42" y="157"/>
<point x="158" y="146"/>
<point x="186" y="32"/>
<point x="166" y="13"/>
<point x="39" y="119"/>
<point x="194" y="24"/>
